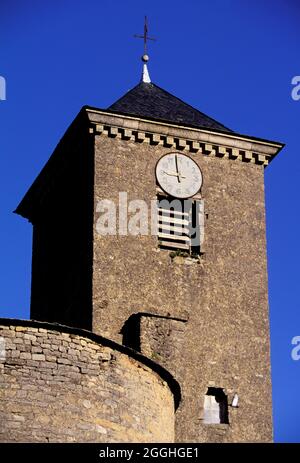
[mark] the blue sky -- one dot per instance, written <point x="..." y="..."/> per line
<point x="232" y="59"/>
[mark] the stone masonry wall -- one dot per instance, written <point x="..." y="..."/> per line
<point x="64" y="387"/>
<point x="162" y="339"/>
<point x="223" y="296"/>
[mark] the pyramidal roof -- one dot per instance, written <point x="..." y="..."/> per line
<point x="147" y="100"/>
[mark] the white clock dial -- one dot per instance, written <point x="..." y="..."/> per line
<point x="178" y="175"/>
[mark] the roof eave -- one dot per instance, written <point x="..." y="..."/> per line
<point x="233" y="135"/>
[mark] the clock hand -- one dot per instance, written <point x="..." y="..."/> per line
<point x="176" y="164"/>
<point x="174" y="174"/>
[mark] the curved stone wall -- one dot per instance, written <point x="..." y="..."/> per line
<point x="64" y="385"/>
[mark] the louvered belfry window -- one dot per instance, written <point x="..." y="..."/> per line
<point x="178" y="224"/>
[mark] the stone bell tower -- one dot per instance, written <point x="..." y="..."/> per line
<point x="197" y="306"/>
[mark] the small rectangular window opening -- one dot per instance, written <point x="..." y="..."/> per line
<point x="215" y="406"/>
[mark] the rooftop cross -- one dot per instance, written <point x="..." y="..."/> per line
<point x="145" y="36"/>
<point x="145" y="57"/>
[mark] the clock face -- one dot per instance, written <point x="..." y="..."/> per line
<point x="178" y="175"/>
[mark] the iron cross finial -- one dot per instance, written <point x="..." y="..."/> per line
<point x="145" y="36"/>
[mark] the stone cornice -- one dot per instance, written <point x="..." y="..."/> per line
<point x="211" y="143"/>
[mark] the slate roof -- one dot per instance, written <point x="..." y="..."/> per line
<point x="150" y="101"/>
